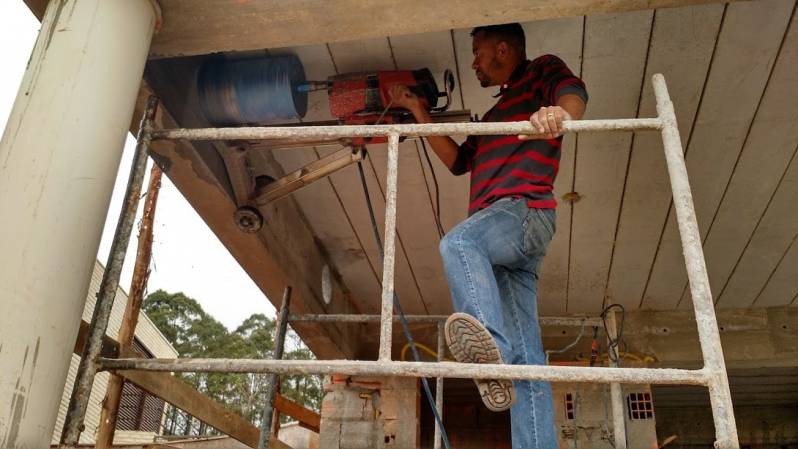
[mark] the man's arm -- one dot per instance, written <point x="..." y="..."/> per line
<point x="444" y="146"/>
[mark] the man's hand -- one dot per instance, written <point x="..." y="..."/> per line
<point x="402" y="97"/>
<point x="548" y="122"/>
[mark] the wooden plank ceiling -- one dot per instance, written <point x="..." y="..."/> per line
<point x="732" y="70"/>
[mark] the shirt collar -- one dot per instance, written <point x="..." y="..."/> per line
<point x="515" y="76"/>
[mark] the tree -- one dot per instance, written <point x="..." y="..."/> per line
<point x="194" y="333"/>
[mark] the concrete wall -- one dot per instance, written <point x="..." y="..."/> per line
<point x="757" y="427"/>
<point x="370" y="413"/>
<point x="591" y="425"/>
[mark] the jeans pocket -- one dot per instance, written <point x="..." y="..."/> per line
<point x="539" y="228"/>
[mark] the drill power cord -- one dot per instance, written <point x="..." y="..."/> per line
<point x="402" y="319"/>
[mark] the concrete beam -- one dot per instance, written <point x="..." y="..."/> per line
<point x="193" y="27"/>
<point x="751" y="338"/>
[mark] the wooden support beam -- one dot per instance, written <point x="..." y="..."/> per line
<point x="306" y="417"/>
<point x="141" y="273"/>
<point x="185" y="397"/>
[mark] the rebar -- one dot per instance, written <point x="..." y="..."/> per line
<point x="708" y="334"/>
<point x="272" y="382"/>
<point x="73" y="424"/>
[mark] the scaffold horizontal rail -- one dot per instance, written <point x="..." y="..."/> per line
<point x="669" y="376"/>
<point x="299" y="133"/>
<point x="571" y="321"/>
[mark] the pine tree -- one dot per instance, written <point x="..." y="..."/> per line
<point x="195" y="334"/>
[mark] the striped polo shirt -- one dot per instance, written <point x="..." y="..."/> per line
<point x="503" y="166"/>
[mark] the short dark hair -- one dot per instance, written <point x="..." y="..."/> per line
<point x="512" y="33"/>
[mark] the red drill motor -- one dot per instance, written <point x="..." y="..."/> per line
<point x="364" y="98"/>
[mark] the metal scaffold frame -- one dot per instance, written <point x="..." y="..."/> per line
<point x="712" y="375"/>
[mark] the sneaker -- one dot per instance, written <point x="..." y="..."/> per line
<point x="470" y="342"/>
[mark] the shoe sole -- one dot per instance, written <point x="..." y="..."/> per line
<point x="470" y="342"/>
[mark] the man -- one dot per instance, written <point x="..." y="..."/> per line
<point x="492" y="258"/>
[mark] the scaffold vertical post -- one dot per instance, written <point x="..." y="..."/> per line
<point x="84" y="379"/>
<point x="386" y="325"/>
<point x="439" y="388"/>
<point x="616" y="392"/>
<point x="280" y="328"/>
<point x="708" y="333"/>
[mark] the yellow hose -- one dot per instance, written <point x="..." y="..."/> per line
<point x="424" y="348"/>
<point x="605" y="356"/>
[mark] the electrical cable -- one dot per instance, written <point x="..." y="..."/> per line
<point x="438" y="221"/>
<point x="614" y="343"/>
<point x="569" y="346"/>
<point x="402" y="319"/>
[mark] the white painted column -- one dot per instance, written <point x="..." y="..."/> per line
<point x="58" y="161"/>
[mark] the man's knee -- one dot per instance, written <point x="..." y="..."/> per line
<point x="447" y="245"/>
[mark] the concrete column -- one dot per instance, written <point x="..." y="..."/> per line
<point x="58" y="160"/>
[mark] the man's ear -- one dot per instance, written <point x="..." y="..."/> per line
<point x="502" y="50"/>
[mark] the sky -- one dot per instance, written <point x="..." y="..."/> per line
<point x="187" y="256"/>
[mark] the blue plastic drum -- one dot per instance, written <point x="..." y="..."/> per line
<point x="251" y="91"/>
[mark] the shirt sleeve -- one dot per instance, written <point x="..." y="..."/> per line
<point x="558" y="80"/>
<point x="465" y="156"/>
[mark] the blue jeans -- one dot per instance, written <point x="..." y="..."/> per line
<point x="491" y="261"/>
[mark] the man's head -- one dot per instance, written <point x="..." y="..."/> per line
<point x="498" y="49"/>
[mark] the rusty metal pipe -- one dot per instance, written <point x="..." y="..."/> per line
<point x="273" y="382"/>
<point x="73" y="425"/>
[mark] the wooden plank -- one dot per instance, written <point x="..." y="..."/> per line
<point x="183" y="396"/>
<point x="733" y="90"/>
<point x="767" y="275"/>
<point x="562" y="37"/>
<point x="307" y="418"/>
<point x="614" y="64"/>
<point x="781" y="283"/>
<point x="681" y="47"/>
<point x="186" y="398"/>
<point x="741" y="266"/>
<point x="194" y="27"/>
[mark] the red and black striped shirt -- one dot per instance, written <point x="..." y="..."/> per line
<point x="503" y="166"/>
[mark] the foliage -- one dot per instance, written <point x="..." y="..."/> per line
<point x="194" y="333"/>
